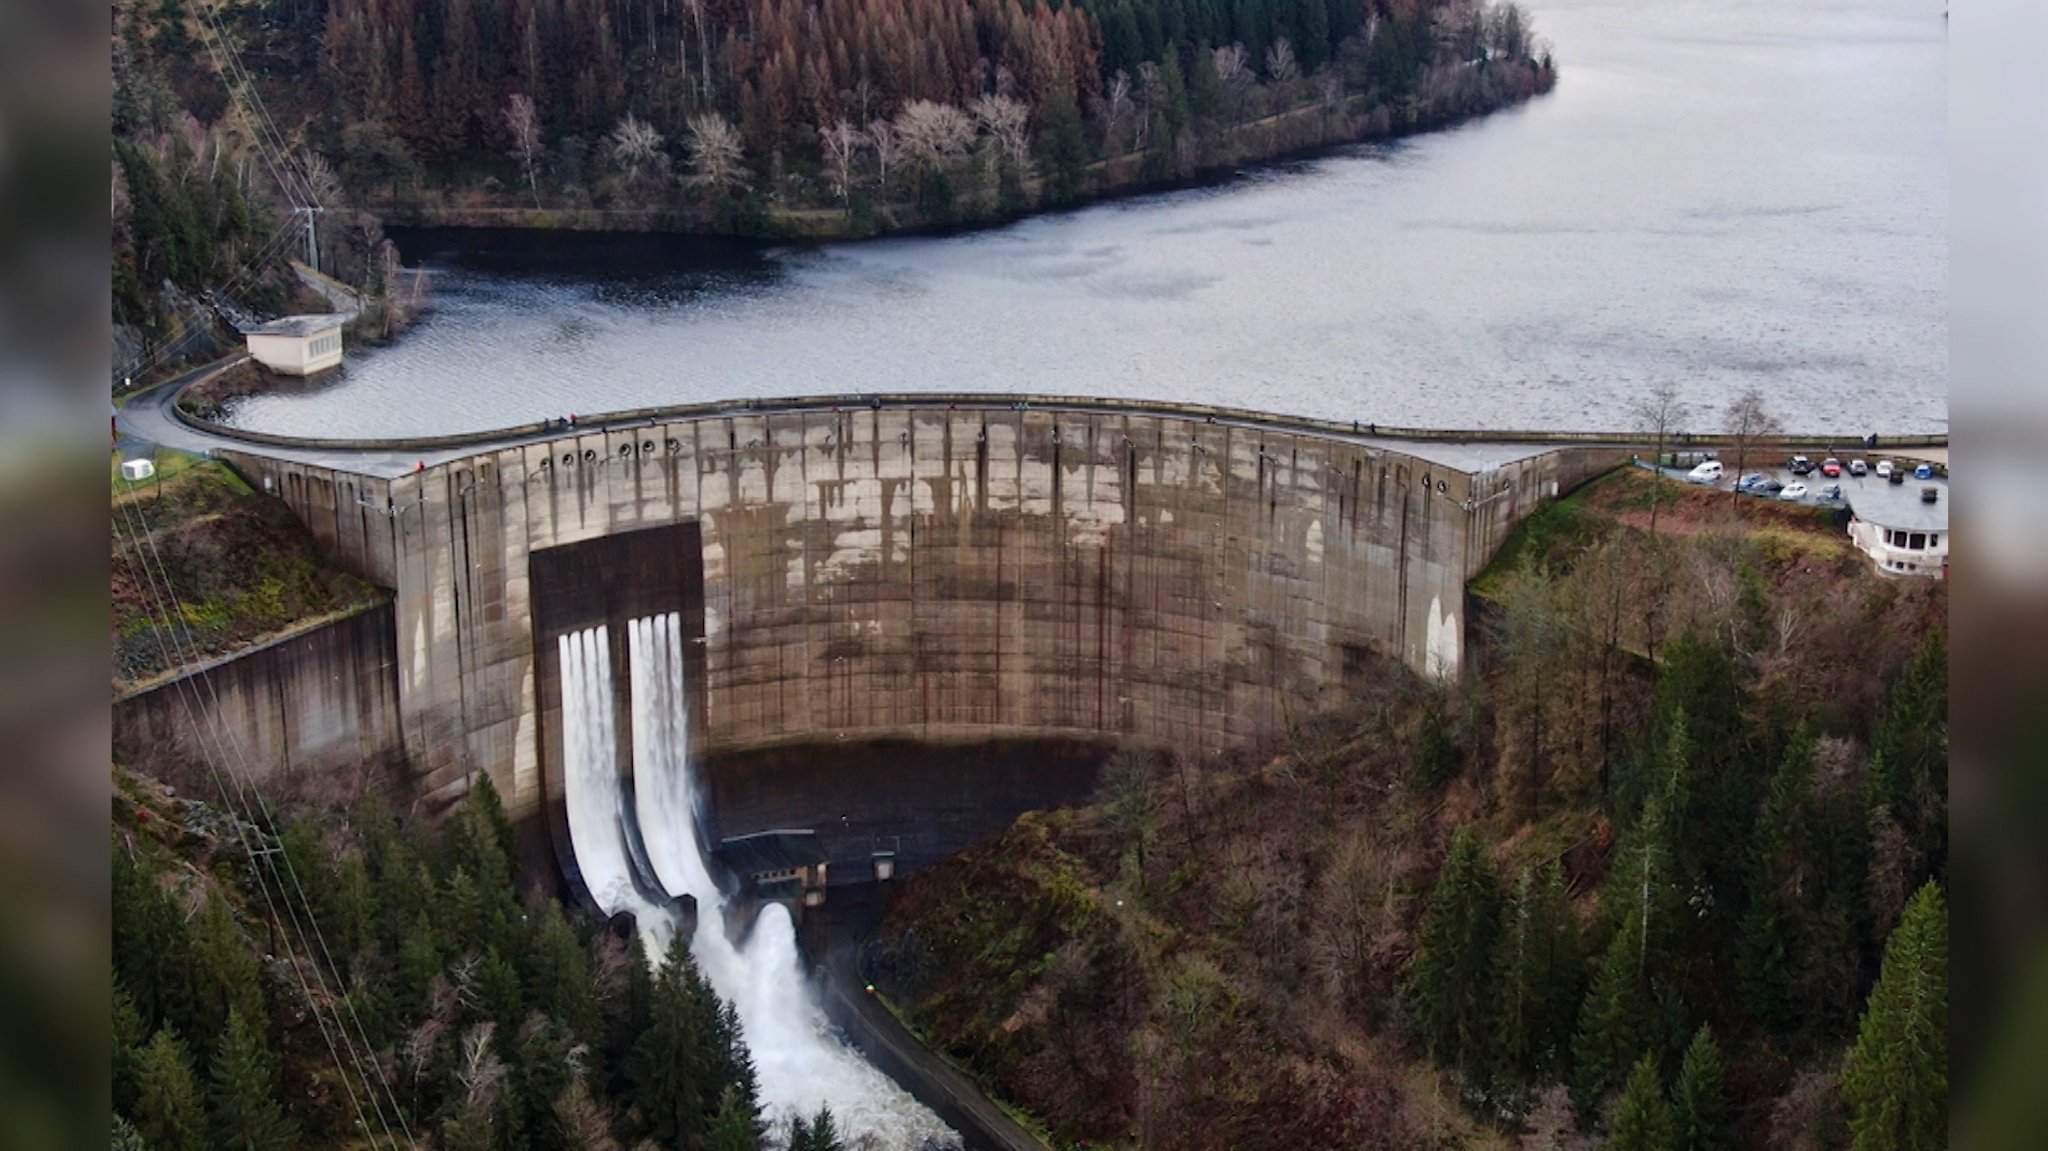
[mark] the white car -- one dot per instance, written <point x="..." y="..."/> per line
<point x="1884" y="469"/>
<point x="1858" y="468"/>
<point x="1706" y="473"/>
<point x="1793" y="491"/>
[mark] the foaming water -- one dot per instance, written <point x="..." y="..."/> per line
<point x="801" y="1064"/>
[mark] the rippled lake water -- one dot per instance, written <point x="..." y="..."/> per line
<point x="1722" y="193"/>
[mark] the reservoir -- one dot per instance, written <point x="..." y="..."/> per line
<point x="1720" y="193"/>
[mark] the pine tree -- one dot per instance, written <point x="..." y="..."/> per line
<point x="1613" y="1024"/>
<point x="824" y="1134"/>
<point x="733" y="1126"/>
<point x="1909" y="756"/>
<point x="1777" y="877"/>
<point x="230" y="980"/>
<point x="131" y="1035"/>
<point x="1642" y="1121"/>
<point x="672" y="1062"/>
<point x="1699" y="1103"/>
<point x="246" y="1115"/>
<point x="1895" y="1081"/>
<point x="1538" y="977"/>
<point x="557" y="975"/>
<point x="419" y="961"/>
<point x="1450" y="984"/>
<point x="168" y="1115"/>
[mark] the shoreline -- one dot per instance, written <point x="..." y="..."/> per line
<point x="1106" y="180"/>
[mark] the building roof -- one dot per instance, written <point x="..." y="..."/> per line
<point x="1899" y="506"/>
<point x="310" y="325"/>
<point x="767" y="851"/>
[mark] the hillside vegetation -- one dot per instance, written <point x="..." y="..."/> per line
<point x="766" y="117"/>
<point x="1645" y="880"/>
<point x="202" y="565"/>
<point x="432" y="1006"/>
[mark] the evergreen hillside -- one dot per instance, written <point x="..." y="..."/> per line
<point x="1661" y="878"/>
<point x="434" y="1006"/>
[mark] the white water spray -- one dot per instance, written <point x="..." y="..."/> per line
<point x="799" y="1061"/>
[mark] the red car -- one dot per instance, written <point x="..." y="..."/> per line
<point x="1831" y="467"/>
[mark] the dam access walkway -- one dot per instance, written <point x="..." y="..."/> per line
<point x="153" y="416"/>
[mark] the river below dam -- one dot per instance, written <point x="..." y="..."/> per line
<point x="1719" y="193"/>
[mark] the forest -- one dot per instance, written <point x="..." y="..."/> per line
<point x="769" y="117"/>
<point x="339" y="978"/>
<point x="1668" y="873"/>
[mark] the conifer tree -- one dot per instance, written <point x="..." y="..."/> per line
<point x="1909" y="756"/>
<point x="1450" y="986"/>
<point x="1777" y="875"/>
<point x="557" y="975"/>
<point x="419" y="961"/>
<point x="1614" y="1022"/>
<point x="1642" y="1121"/>
<point x="673" y="1067"/>
<point x="168" y="1114"/>
<point x="1699" y="1104"/>
<point x="733" y="1126"/>
<point x="1538" y="977"/>
<point x="246" y="1115"/>
<point x="131" y="1035"/>
<point x="1895" y="1081"/>
<point x="230" y="980"/>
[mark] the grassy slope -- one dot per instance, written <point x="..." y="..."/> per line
<point x="241" y="567"/>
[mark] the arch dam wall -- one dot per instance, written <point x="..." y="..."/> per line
<point x="911" y="576"/>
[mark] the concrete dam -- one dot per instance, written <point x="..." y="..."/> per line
<point x="892" y="611"/>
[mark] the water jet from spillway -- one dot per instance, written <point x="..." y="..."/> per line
<point x="801" y="1064"/>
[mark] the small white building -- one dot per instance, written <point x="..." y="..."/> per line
<point x="297" y="345"/>
<point x="1902" y="527"/>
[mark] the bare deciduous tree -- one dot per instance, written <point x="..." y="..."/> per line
<point x="1235" y="73"/>
<point x="1281" y="66"/>
<point x="522" y="124"/>
<point x="1748" y="420"/>
<point x="1007" y="123"/>
<point x="888" y="148"/>
<point x="635" y="149"/>
<point x="1113" y="107"/>
<point x="478" y="1069"/>
<point x="934" y="136"/>
<point x="841" y="145"/>
<point x="717" y="158"/>
<point x="1658" y="413"/>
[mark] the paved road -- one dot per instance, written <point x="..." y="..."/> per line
<point x="835" y="933"/>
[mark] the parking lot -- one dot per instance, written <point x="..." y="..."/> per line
<point x="1777" y="469"/>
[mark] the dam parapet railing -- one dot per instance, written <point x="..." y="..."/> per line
<point x="853" y="402"/>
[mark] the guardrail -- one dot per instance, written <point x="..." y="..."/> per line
<point x="674" y="413"/>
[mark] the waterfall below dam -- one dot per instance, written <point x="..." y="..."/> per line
<point x="638" y="845"/>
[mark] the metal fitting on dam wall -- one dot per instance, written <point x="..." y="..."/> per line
<point x="955" y="575"/>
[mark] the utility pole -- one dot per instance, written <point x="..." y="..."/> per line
<point x="312" y="214"/>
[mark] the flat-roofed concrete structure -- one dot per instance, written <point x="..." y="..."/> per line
<point x="297" y="345"/>
<point x="1902" y="527"/>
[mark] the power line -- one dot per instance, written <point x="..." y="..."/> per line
<point x="209" y="726"/>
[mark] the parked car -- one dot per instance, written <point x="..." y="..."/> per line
<point x="1831" y="492"/>
<point x="1750" y="482"/>
<point x="1858" y="468"/>
<point x="1831" y="467"/>
<point x="1705" y="473"/>
<point x="1793" y="491"/>
<point x="1885" y="469"/>
<point x="1800" y="466"/>
<point x="1924" y="472"/>
<point x="1769" y="487"/>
